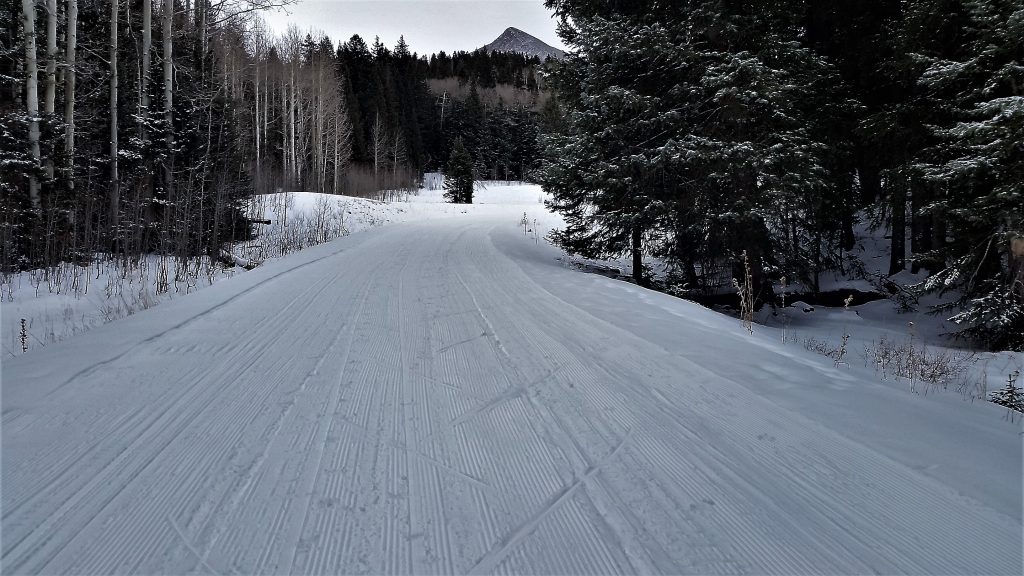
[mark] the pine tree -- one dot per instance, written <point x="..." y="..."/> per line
<point x="458" y="178"/>
<point x="688" y="130"/>
<point x="1010" y="395"/>
<point x="978" y="165"/>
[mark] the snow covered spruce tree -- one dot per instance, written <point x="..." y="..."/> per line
<point x="458" y="178"/>
<point x="695" y="134"/>
<point x="977" y="164"/>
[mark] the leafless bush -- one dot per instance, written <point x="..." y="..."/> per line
<point x="387" y="185"/>
<point x="825" y="348"/>
<point x="290" y="230"/>
<point x="746" y="294"/>
<point x="23" y="336"/>
<point x="491" y="96"/>
<point x="916" y="363"/>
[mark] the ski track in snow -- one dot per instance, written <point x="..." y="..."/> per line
<point x="422" y="404"/>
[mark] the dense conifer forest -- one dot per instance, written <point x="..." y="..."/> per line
<point x="702" y="131"/>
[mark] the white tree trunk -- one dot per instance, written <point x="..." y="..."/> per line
<point x="378" y="147"/>
<point x="32" y="96"/>
<point x="115" y="187"/>
<point x="256" y="119"/>
<point x="318" y="128"/>
<point x="51" y="57"/>
<point x="284" y="132"/>
<point x="202" y="6"/>
<point x="168" y="19"/>
<point x="69" y="89"/>
<point x="267" y="92"/>
<point x="51" y="72"/>
<point x="147" y="48"/>
<point x="337" y="155"/>
<point x="291" y="124"/>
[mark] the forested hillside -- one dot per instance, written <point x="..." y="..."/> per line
<point x="734" y="138"/>
<point x="716" y="137"/>
<point x="130" y="127"/>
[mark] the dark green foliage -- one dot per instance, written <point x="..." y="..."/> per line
<point x="394" y="85"/>
<point x="486" y="69"/>
<point x="716" y="127"/>
<point x="976" y="165"/>
<point x="704" y="130"/>
<point x="459" y="175"/>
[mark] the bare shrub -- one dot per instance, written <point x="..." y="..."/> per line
<point x="825" y="348"/>
<point x="746" y="294"/>
<point x="23" y="336"/>
<point x="916" y="363"/>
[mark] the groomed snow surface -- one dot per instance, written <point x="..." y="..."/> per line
<point x="445" y="396"/>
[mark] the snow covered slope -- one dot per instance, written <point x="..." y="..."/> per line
<point x="443" y="396"/>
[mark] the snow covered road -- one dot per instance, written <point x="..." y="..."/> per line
<point x="444" y="397"/>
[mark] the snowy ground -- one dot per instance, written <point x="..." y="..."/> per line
<point x="72" y="299"/>
<point x="445" y="396"/>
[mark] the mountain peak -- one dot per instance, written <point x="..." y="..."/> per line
<point x="515" y="40"/>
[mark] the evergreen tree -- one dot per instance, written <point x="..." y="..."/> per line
<point x="977" y="165"/>
<point x="459" y="176"/>
<point x="688" y="131"/>
<point x="1010" y="395"/>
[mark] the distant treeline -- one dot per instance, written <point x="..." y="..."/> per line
<point x="132" y="126"/>
<point x="491" y="99"/>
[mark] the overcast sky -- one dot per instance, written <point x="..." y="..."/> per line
<point x="428" y="25"/>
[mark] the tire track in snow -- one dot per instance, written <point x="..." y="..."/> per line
<point x="92" y="368"/>
<point x="496" y="555"/>
<point x="551" y="427"/>
<point x="841" y="449"/>
<point x="84" y="454"/>
<point x="413" y="457"/>
<point x="195" y="470"/>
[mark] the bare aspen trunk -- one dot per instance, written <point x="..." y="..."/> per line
<point x="397" y="155"/>
<point x="321" y="139"/>
<point x="256" y="119"/>
<point x="337" y="158"/>
<point x="378" y="147"/>
<point x="291" y="123"/>
<point x="32" y="96"/>
<point x="51" y="71"/>
<point x="69" y="89"/>
<point x="168" y="18"/>
<point x="202" y="6"/>
<point x="115" y="188"/>
<point x="51" y="57"/>
<point x="284" y="131"/>
<point x="147" y="47"/>
<point x="315" y="102"/>
<point x="300" y="139"/>
<point x="266" y="98"/>
<point x="144" y="208"/>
